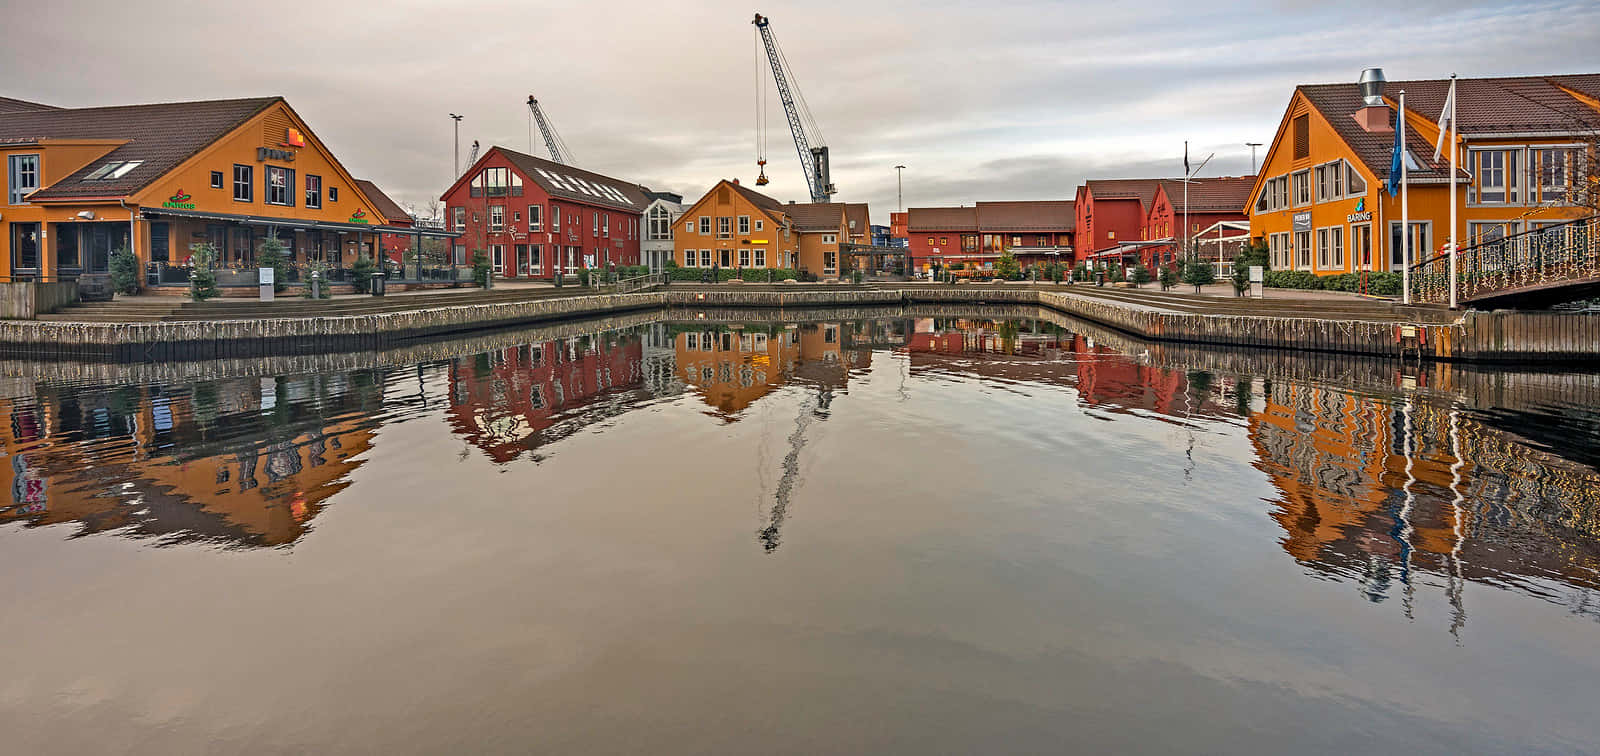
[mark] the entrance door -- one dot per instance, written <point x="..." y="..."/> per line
<point x="1361" y="246"/>
<point x="1420" y="235"/>
<point x="497" y="253"/>
<point x="24" y="249"/>
<point x="521" y="252"/>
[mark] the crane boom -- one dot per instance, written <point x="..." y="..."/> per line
<point x="813" y="160"/>
<point x="552" y="140"/>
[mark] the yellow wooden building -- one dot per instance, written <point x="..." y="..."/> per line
<point x="732" y="226"/>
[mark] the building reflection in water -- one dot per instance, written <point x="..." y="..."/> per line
<point x="245" y="462"/>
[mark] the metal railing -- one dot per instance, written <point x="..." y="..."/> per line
<point x="1567" y="251"/>
<point x="639" y="283"/>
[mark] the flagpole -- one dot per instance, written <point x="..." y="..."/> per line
<point x="1405" y="206"/>
<point x="1454" y="237"/>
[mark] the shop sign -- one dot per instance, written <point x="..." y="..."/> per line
<point x="1361" y="213"/>
<point x="292" y="138"/>
<point x="359" y="216"/>
<point x="179" y="201"/>
<point x="268" y="153"/>
<point x="1302" y="221"/>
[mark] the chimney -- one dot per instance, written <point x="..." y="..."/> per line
<point x="736" y="181"/>
<point x="1374" y="115"/>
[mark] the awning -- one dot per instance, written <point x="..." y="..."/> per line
<point x="296" y="223"/>
<point x="1129" y="248"/>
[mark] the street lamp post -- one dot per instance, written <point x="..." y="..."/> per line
<point x="457" y="119"/>
<point x="899" y="190"/>
<point x="1252" y="146"/>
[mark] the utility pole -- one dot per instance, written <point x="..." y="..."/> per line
<point x="1252" y="146"/>
<point x="457" y="119"/>
<point x="899" y="190"/>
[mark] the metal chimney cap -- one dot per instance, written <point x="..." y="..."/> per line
<point x="1371" y="83"/>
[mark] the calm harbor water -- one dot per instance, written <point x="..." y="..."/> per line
<point x="933" y="532"/>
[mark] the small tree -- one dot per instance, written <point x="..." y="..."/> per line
<point x="1006" y="267"/>
<point x="1114" y="274"/>
<point x="1080" y="273"/>
<point x="480" y="268"/>
<point x="1197" y="272"/>
<point x="1141" y="275"/>
<point x="361" y="274"/>
<point x="203" y="282"/>
<point x="1169" y="277"/>
<point x="271" y="256"/>
<point x="124" y="271"/>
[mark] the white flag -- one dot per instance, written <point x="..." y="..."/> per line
<point x="1446" y="121"/>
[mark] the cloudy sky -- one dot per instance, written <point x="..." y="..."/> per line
<point x="980" y="100"/>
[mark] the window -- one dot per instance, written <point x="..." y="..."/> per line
<point x="555" y="217"/>
<point x="1302" y="249"/>
<point x="536" y="217"/>
<point x="705" y="225"/>
<point x="497" y="218"/>
<point x="724" y="228"/>
<point x="1302" y="136"/>
<point x="830" y="262"/>
<point x="497" y="254"/>
<point x="1330" y="181"/>
<point x="1420" y="234"/>
<point x="727" y="258"/>
<point x="536" y="259"/>
<point x="689" y="260"/>
<point x="688" y="227"/>
<point x="744" y="257"/>
<point x="24" y="176"/>
<point x="834" y="239"/>
<point x="1481" y="232"/>
<point x="244" y="183"/>
<point x="113" y="170"/>
<point x="705" y="258"/>
<point x="1361" y="246"/>
<point x="1302" y="188"/>
<point x="605" y="225"/>
<point x="759" y="224"/>
<point x="1280" y="251"/>
<point x="516" y="216"/>
<point x="333" y="194"/>
<point x="660" y="227"/>
<point x="313" y="191"/>
<point x="458" y="218"/>
<point x="744" y="224"/>
<point x="1553" y="171"/>
<point x="458" y="254"/>
<point x="1354" y="184"/>
<point x="594" y="223"/>
<point x="1330" y="248"/>
<point x="495" y="181"/>
<point x="691" y="342"/>
<point x="761" y="257"/>
<point x="216" y="179"/>
<point x="516" y="185"/>
<point x="930" y="241"/>
<point x="280" y="186"/>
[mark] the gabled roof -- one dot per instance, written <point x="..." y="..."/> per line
<point x="13" y="105"/>
<point x="569" y="183"/>
<point x="386" y="207"/>
<point x="1337" y="102"/>
<point x="942" y="219"/>
<point x="1041" y="215"/>
<point x="1143" y="190"/>
<point x="758" y="199"/>
<point x="857" y="213"/>
<point x="816" y="216"/>
<point x="1223" y="194"/>
<point x="162" y="135"/>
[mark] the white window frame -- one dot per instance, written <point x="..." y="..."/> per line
<point x="1296" y="187"/>
<point x="830" y="238"/>
<point x="691" y="259"/>
<point x="744" y="225"/>
<point x="497" y="256"/>
<point x="1303" y="252"/>
<point x="744" y="257"/>
<point x="497" y="218"/>
<point x="760" y="224"/>
<point x="1350" y="235"/>
<point x="705" y="225"/>
<point x="760" y="256"/>
<point x="536" y="217"/>
<point x="705" y="258"/>
<point x="17" y="166"/>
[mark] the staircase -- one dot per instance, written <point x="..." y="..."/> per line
<point x="1533" y="269"/>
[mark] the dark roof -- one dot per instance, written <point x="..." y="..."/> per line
<point x="672" y="197"/>
<point x="1143" y="190"/>
<point x="1224" y="194"/>
<point x="1337" y="103"/>
<point x="162" y="135"/>
<point x="558" y="181"/>
<point x="757" y="198"/>
<point x="1040" y="215"/>
<point x="13" y="105"/>
<point x="816" y="216"/>
<point x="857" y="213"/>
<point x="386" y="207"/>
<point x="942" y="219"/>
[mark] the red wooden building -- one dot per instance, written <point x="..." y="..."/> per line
<point x="1210" y="201"/>
<point x="1036" y="232"/>
<point x="534" y="218"/>
<point x="394" y="245"/>
<point x="1111" y="213"/>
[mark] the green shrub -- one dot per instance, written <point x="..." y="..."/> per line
<point x="1080" y="273"/>
<point x="728" y="274"/>
<point x="361" y="274"/>
<point x="1006" y="267"/>
<point x="1197" y="272"/>
<point x="271" y="256"/>
<point x="956" y="266"/>
<point x="480" y="268"/>
<point x="1114" y="274"/>
<point x="203" y="282"/>
<point x="1141" y="275"/>
<point x="125" y="271"/>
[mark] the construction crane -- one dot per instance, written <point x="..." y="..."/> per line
<point x="553" y="142"/>
<point x="813" y="160"/>
<point x="472" y="157"/>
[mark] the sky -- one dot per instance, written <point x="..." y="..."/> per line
<point x="980" y="101"/>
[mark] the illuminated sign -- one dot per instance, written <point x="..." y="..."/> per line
<point x="292" y="138"/>
<point x="179" y="201"/>
<point x="1361" y="213"/>
<point x="359" y="216"/>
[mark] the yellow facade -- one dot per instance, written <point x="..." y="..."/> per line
<point x="726" y="229"/>
<point x="168" y="204"/>
<point x="819" y="250"/>
<point x="1355" y="227"/>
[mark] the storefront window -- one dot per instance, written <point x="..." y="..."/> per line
<point x="313" y="191"/>
<point x="67" y="245"/>
<point x="280" y="186"/>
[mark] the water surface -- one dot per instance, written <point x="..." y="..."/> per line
<point x="936" y="532"/>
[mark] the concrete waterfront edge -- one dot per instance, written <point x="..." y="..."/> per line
<point x="1478" y="336"/>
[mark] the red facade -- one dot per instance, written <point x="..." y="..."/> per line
<point x="534" y="218"/>
<point x="1034" y="232"/>
<point x="1111" y="213"/>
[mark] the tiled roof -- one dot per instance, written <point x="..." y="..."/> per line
<point x="857" y="213"/>
<point x="386" y="207"/>
<point x="161" y="135"/>
<point x="1225" y="194"/>
<point x="816" y="216"/>
<point x="13" y="105"/>
<point x="576" y="184"/>
<point x="1336" y="103"/>
<point x="942" y="219"/>
<point x="1045" y="215"/>
<point x="1143" y="190"/>
<point x="757" y="198"/>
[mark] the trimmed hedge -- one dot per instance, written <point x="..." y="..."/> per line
<point x="1385" y="283"/>
<point x="753" y="275"/>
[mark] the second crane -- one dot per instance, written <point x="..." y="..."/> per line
<point x="813" y="159"/>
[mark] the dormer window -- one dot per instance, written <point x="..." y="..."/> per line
<point x="113" y="171"/>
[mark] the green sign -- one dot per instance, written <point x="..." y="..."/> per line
<point x="359" y="216"/>
<point x="179" y="201"/>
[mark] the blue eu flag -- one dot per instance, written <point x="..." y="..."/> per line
<point x="1393" y="184"/>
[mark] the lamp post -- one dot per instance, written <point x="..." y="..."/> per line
<point x="457" y="119"/>
<point x="1187" y="176"/>
<point x="899" y="190"/>
<point x="1252" y="146"/>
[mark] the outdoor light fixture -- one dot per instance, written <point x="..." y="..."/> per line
<point x="86" y="214"/>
